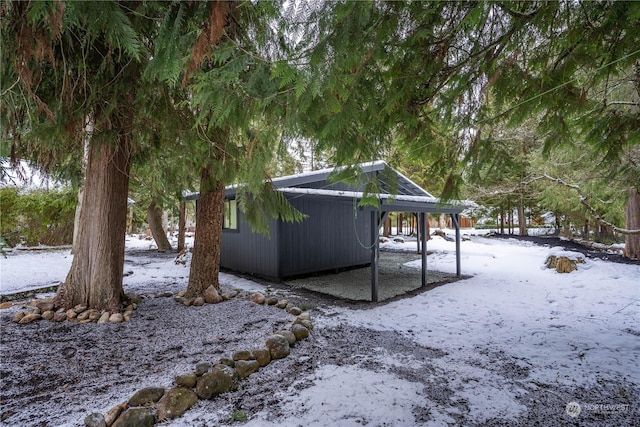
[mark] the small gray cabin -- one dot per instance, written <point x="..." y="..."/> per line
<point x="336" y="234"/>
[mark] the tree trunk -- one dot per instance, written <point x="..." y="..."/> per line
<point x="522" y="220"/>
<point x="85" y="159"/>
<point x="154" y="219"/>
<point x="399" y="227"/>
<point x="606" y="233"/>
<point x="632" y="214"/>
<point x="205" y="264"/>
<point x="442" y="221"/>
<point x="76" y="219"/>
<point x="95" y="277"/>
<point x="182" y="222"/>
<point x="585" y="229"/>
<point x="510" y="218"/>
<point x="130" y="223"/>
<point x="386" y="228"/>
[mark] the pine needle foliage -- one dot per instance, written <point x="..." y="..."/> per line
<point x="383" y="73"/>
<point x="65" y="65"/>
<point x="574" y="71"/>
<point x="570" y="77"/>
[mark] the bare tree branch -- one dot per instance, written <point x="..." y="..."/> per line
<point x="591" y="209"/>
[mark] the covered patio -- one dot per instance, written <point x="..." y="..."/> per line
<point x="396" y="279"/>
<point x="410" y="198"/>
<point x="340" y="231"/>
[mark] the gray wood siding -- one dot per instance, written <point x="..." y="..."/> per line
<point x="248" y="252"/>
<point x="325" y="240"/>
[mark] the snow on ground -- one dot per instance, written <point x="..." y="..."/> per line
<point x="23" y="270"/>
<point x="346" y="396"/>
<point x="573" y="330"/>
<point x="26" y="270"/>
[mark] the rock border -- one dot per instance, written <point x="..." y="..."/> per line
<point x="39" y="309"/>
<point x="152" y="405"/>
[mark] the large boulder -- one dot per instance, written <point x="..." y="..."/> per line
<point x="278" y="346"/>
<point x="221" y="379"/>
<point x="288" y="335"/>
<point x="246" y="367"/>
<point x="5" y="305"/>
<point x="112" y="414"/>
<point x="262" y="356"/>
<point x="306" y="323"/>
<point x="294" y="310"/>
<point x="187" y="380"/>
<point x="146" y="396"/>
<point x="211" y="295"/>
<point x="257" y="297"/>
<point x="45" y="305"/>
<point x="299" y="331"/>
<point x="202" y="368"/>
<point x="175" y="403"/>
<point x="271" y="300"/>
<point x="104" y="317"/>
<point x="30" y="318"/>
<point x="95" y="420"/>
<point x="136" y="417"/>
<point x="241" y="355"/>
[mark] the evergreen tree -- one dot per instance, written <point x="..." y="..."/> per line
<point x="576" y="70"/>
<point x="237" y="102"/>
<point x="64" y="65"/>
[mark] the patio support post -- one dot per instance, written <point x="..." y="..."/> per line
<point x="375" y="255"/>
<point x="422" y="229"/>
<point x="456" y="222"/>
<point x="419" y="231"/>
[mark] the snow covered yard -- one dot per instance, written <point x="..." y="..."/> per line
<point x="514" y="344"/>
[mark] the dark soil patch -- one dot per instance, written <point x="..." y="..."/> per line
<point x="570" y="245"/>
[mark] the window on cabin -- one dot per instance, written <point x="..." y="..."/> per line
<point x="230" y="220"/>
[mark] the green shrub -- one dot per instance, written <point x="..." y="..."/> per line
<point x="37" y="217"/>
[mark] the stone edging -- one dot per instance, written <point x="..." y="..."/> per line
<point x="39" y="309"/>
<point x="151" y="405"/>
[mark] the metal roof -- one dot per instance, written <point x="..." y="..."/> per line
<point x="386" y="202"/>
<point x="399" y="193"/>
<point x="404" y="185"/>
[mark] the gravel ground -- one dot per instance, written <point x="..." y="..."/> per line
<point x="394" y="280"/>
<point x="54" y="374"/>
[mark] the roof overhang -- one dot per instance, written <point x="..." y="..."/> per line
<point x="410" y="198"/>
<point x="386" y="202"/>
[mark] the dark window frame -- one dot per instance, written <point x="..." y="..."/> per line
<point x="230" y="216"/>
